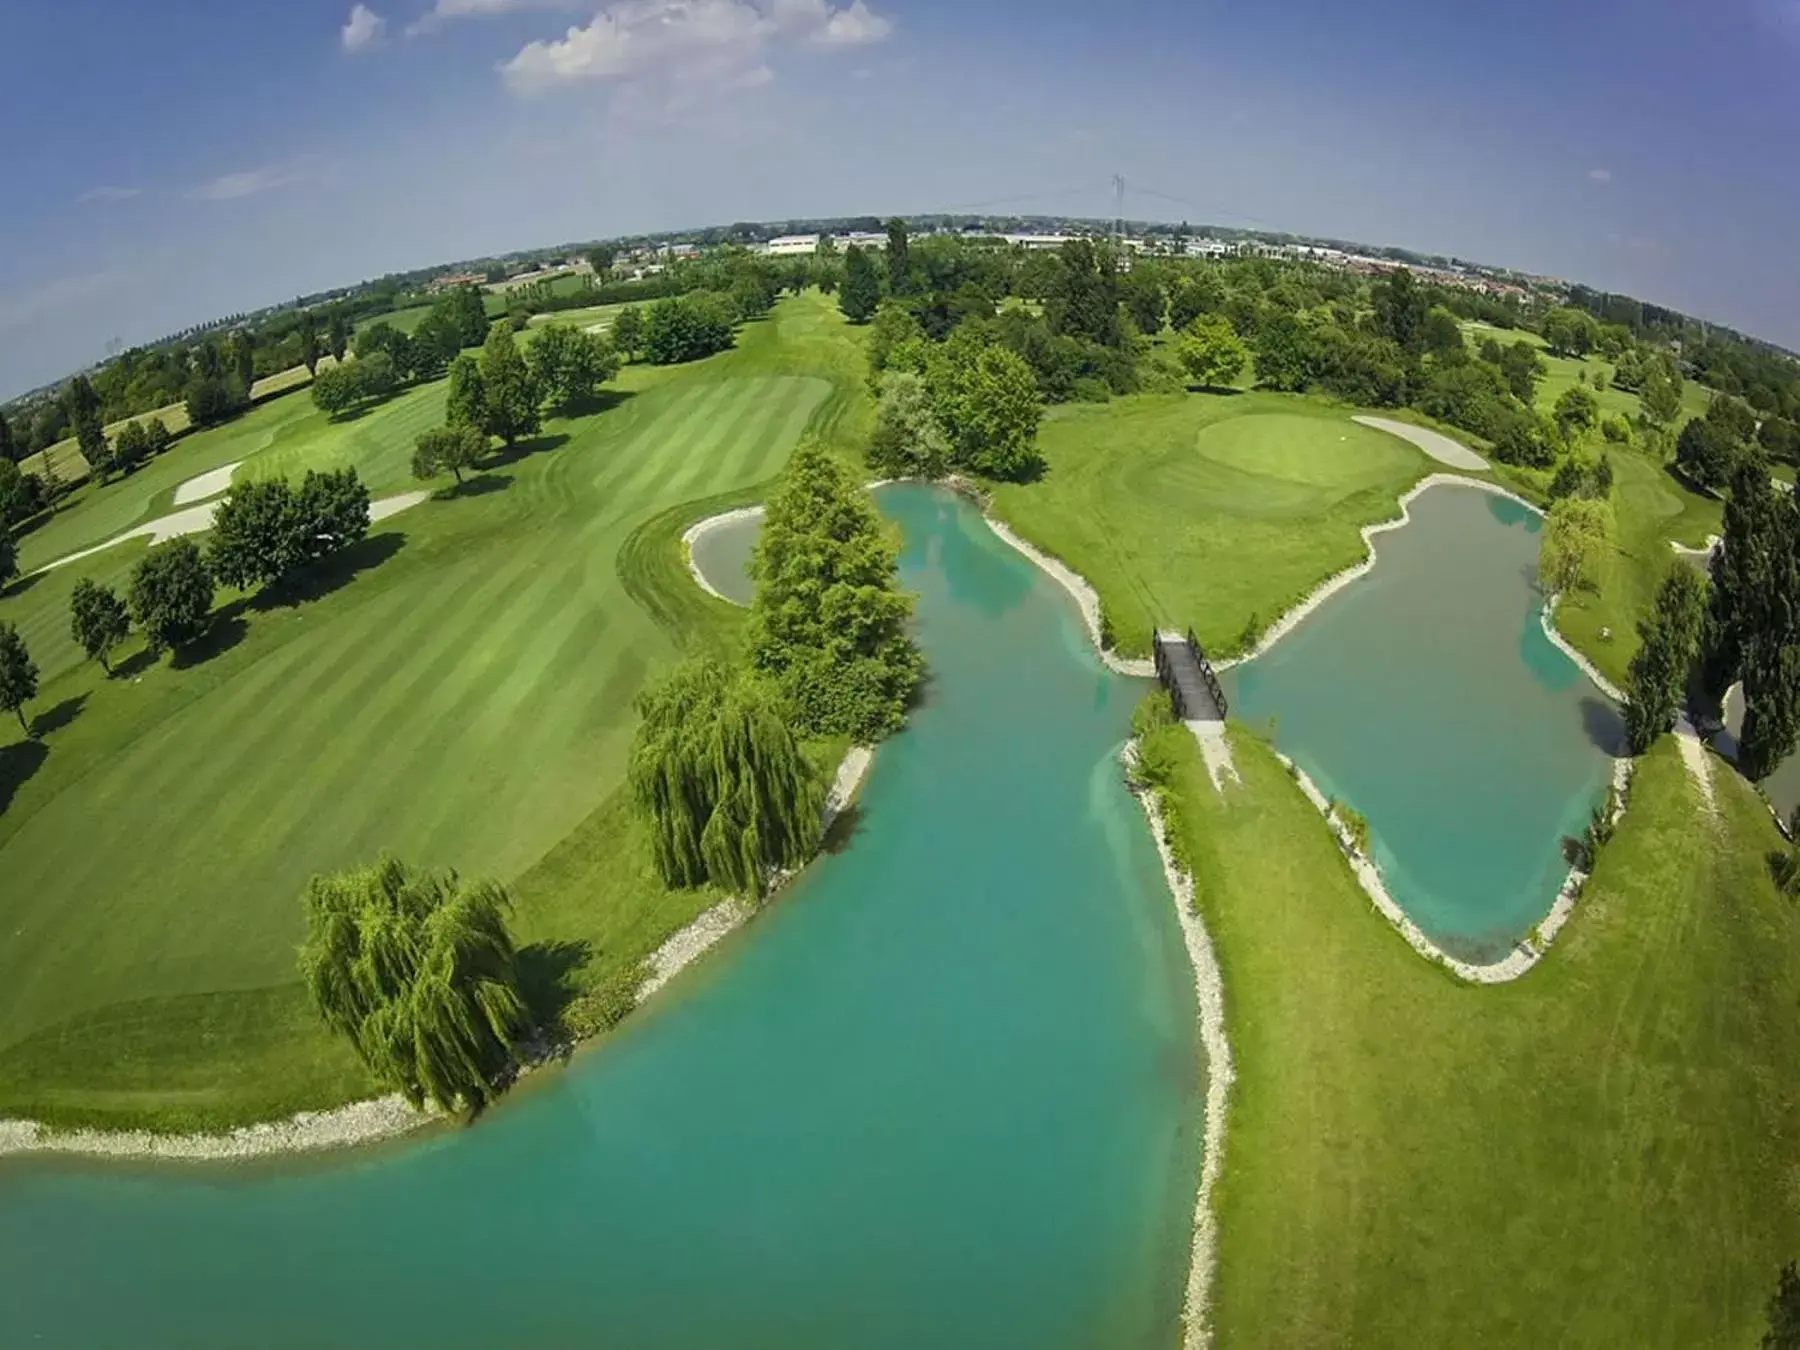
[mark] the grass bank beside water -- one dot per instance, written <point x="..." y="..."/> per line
<point x="470" y="674"/>
<point x="1602" y="1153"/>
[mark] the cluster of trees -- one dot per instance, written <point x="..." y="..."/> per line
<point x="718" y="771"/>
<point x="366" y="379"/>
<point x="828" y="620"/>
<point x="1752" y="629"/>
<point x="22" y="495"/>
<point x="1711" y="448"/>
<point x="687" y="327"/>
<point x="501" y="393"/>
<point x="967" y="403"/>
<point x="419" y="971"/>
<point x="265" y="532"/>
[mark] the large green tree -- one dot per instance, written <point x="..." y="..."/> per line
<point x="1669" y="638"/>
<point x="628" y="331"/>
<point x="721" y="782"/>
<point x="265" y="531"/>
<point x="337" y="333"/>
<point x="82" y="405"/>
<point x="98" y="621"/>
<point x="908" y="442"/>
<point x="1211" y="352"/>
<point x="309" y="341"/>
<point x="571" y="364"/>
<point x="1401" y="308"/>
<point x="899" y="258"/>
<point x="1577" y="535"/>
<point x="1744" y="574"/>
<point x="828" y="621"/>
<point x="861" y="291"/>
<point x="509" y="391"/>
<point x="419" y="971"/>
<point x="18" y="675"/>
<point x="456" y="448"/>
<point x="171" y="595"/>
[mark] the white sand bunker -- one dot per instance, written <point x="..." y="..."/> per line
<point x="209" y="484"/>
<point x="199" y="519"/>
<point x="1434" y="443"/>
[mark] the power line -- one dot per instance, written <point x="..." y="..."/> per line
<point x="1199" y="206"/>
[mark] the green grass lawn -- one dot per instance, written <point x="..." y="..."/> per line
<point x="461" y="694"/>
<point x="1207" y="509"/>
<point x="1650" y="509"/>
<point x="1567" y="370"/>
<point x="1601" y="1153"/>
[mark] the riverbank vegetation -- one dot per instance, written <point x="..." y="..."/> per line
<point x="1413" y="1160"/>
<point x="467" y="703"/>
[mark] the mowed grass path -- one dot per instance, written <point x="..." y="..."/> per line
<point x="1600" y="1154"/>
<point x="466" y="702"/>
<point x="1207" y="509"/>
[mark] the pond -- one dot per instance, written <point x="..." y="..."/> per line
<point x="1427" y="696"/>
<point x="946" y="1092"/>
<point x="722" y="553"/>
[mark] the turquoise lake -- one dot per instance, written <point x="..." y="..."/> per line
<point x="1427" y="696"/>
<point x="945" y="1093"/>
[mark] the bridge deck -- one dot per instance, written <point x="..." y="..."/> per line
<point x="1180" y="666"/>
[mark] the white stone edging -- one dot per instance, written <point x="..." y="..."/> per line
<point x="704" y="527"/>
<point x="1526" y="953"/>
<point x="1209" y="998"/>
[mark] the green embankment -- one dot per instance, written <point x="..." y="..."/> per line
<point x="1599" y="1154"/>
<point x="460" y="693"/>
<point x="1207" y="509"/>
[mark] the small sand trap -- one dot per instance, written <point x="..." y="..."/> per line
<point x="393" y="506"/>
<point x="1434" y="443"/>
<point x="206" y="485"/>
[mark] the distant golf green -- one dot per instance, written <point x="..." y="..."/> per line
<point x="1207" y="509"/>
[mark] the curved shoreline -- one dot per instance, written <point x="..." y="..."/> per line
<point x="699" y="529"/>
<point x="1209" y="999"/>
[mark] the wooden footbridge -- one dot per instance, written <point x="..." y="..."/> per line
<point x="1185" y="672"/>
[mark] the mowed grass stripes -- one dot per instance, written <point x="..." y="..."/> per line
<point x="467" y="702"/>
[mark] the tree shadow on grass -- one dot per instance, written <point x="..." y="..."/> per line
<point x="517" y="451"/>
<point x="19" y="585"/>
<point x="330" y="574"/>
<point x="134" y="665"/>
<point x="604" y="400"/>
<point x="54" y="719"/>
<point x="479" y="486"/>
<point x="547" y="982"/>
<point x="226" y="629"/>
<point x="18" y="762"/>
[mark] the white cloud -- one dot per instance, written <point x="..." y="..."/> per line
<point x="1600" y="175"/>
<point x="856" y="26"/>
<point x="229" y="187"/>
<point x="109" y="194"/>
<point x="687" y="42"/>
<point x="444" y="10"/>
<point x="363" y="29"/>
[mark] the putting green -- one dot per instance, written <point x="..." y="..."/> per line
<point x="463" y="697"/>
<point x="1207" y="509"/>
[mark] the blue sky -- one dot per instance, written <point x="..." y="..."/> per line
<point x="168" y="163"/>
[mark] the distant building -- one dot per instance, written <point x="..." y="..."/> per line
<point x="453" y="280"/>
<point x="1040" y="242"/>
<point x="791" y="245"/>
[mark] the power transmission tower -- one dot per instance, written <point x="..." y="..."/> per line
<point x="1119" y="208"/>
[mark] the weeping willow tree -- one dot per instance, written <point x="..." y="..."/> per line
<point x="419" y="971"/>
<point x="720" y="780"/>
<point x="828" y="622"/>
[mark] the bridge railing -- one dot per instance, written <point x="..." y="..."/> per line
<point x="1206" y="673"/>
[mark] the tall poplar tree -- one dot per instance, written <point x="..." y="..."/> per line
<point x="509" y="391"/>
<point x="861" y="293"/>
<point x="1670" y="641"/>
